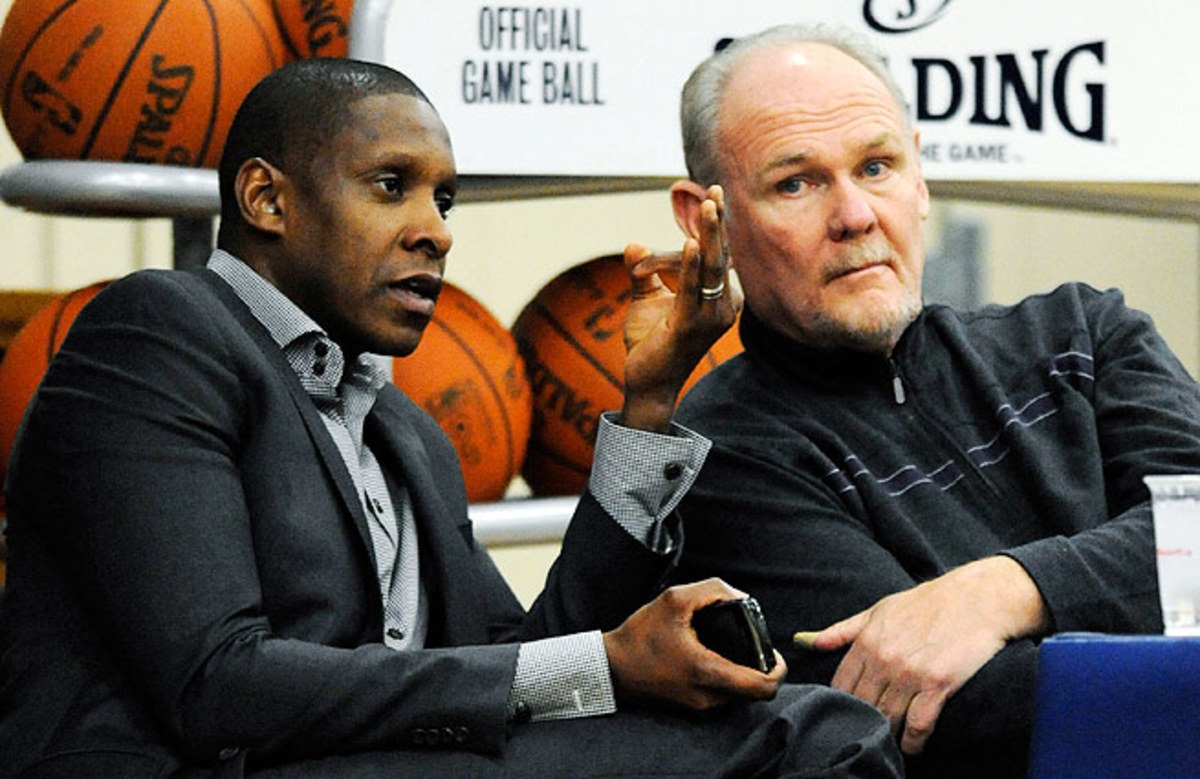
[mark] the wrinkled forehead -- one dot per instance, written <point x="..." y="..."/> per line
<point x="806" y="80"/>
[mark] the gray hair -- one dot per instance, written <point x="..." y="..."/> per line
<point x="700" y="107"/>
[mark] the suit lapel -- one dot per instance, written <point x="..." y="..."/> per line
<point x="313" y="422"/>
<point x="459" y="597"/>
<point x="456" y="593"/>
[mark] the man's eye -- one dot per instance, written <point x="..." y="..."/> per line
<point x="391" y="184"/>
<point x="875" y="168"/>
<point x="792" y="185"/>
<point x="445" y="203"/>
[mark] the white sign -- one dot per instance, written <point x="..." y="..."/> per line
<point x="1026" y="89"/>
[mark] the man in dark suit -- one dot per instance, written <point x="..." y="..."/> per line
<point x="236" y="548"/>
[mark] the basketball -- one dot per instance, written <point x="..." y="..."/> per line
<point x="146" y="81"/>
<point x="28" y="356"/>
<point x="467" y="374"/>
<point x="571" y="336"/>
<point x="314" y="28"/>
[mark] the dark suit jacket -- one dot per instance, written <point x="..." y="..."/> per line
<point x="191" y="575"/>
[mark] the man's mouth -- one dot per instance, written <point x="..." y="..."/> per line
<point x="858" y="260"/>
<point x="856" y="269"/>
<point x="416" y="294"/>
<point x="423" y="285"/>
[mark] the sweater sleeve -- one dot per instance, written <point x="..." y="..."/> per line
<point x="1147" y="417"/>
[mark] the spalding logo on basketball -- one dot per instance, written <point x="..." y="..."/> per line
<point x="147" y="81"/>
<point x="314" y="28"/>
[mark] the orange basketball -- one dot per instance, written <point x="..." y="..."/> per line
<point x="150" y="81"/>
<point x="29" y="355"/>
<point x="314" y="28"/>
<point x="572" y="338"/>
<point x="468" y="375"/>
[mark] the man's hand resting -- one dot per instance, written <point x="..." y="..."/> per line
<point x="911" y="651"/>
<point x="655" y="657"/>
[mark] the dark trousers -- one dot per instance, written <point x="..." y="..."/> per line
<point x="807" y="731"/>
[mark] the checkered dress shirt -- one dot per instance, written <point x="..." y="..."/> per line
<point x="638" y="478"/>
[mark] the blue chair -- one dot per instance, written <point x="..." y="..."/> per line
<point x="1126" y="707"/>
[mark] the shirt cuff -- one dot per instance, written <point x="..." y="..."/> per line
<point x="639" y="477"/>
<point x="562" y="678"/>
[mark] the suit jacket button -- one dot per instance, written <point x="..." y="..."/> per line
<point x="522" y="713"/>
<point x="228" y="753"/>
<point x="461" y="734"/>
<point x="418" y="736"/>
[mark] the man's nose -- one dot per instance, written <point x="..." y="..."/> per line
<point x="426" y="230"/>
<point x="850" y="211"/>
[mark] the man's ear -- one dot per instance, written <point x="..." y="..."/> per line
<point x="686" y="197"/>
<point x="258" y="192"/>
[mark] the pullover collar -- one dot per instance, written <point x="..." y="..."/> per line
<point x="831" y="369"/>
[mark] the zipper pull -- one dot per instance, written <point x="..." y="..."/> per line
<point x="897" y="384"/>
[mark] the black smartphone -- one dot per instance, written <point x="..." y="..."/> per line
<point x="737" y="630"/>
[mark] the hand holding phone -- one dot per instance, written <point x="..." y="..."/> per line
<point x="737" y="630"/>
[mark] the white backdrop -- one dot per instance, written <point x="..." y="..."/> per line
<point x="1099" y="90"/>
